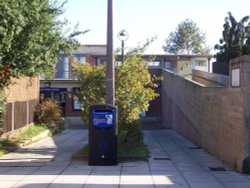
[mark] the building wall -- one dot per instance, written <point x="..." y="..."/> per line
<point x="221" y="68"/>
<point x="74" y="116"/>
<point x="216" y="118"/>
<point x="218" y="79"/>
<point x="183" y="67"/>
<point x="154" y="109"/>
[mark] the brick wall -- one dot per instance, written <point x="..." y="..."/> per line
<point x="154" y="109"/>
<point x="70" y="112"/>
<point x="90" y="59"/>
<point x="216" y="118"/>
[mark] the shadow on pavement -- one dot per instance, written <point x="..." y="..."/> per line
<point x="174" y="162"/>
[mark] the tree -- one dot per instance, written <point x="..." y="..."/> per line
<point x="236" y="39"/>
<point x="134" y="90"/>
<point x="92" y="86"/>
<point x="31" y="38"/>
<point x="186" y="39"/>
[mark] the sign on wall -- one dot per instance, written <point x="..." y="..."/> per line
<point x="235" y="79"/>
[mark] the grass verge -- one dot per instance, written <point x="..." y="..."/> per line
<point x="24" y="137"/>
<point x="32" y="131"/>
<point x="133" y="152"/>
<point x="125" y="152"/>
<point x="7" y="146"/>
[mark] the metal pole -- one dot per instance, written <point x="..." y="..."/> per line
<point x="122" y="51"/>
<point x="122" y="36"/>
<point x="110" y="78"/>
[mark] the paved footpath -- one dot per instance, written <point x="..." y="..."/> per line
<point x="175" y="163"/>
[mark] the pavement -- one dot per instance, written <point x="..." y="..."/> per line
<point x="174" y="163"/>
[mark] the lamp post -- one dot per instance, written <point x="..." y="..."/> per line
<point x="110" y="78"/>
<point x="123" y="36"/>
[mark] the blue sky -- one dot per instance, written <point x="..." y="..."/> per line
<point x="144" y="19"/>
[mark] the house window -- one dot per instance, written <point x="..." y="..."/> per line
<point x="118" y="63"/>
<point x="154" y="64"/>
<point x="168" y="65"/>
<point x="53" y="93"/>
<point x="81" y="59"/>
<point x="76" y="104"/>
<point x="201" y="63"/>
<point x="101" y="61"/>
<point x="62" y="68"/>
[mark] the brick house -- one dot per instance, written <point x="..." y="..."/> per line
<point x="63" y="86"/>
<point x="63" y="83"/>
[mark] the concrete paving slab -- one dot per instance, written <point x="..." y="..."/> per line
<point x="236" y="185"/>
<point x="206" y="185"/>
<point x="107" y="168"/>
<point x="172" y="186"/>
<point x="80" y="178"/>
<point x="136" y="172"/>
<point x="101" y="186"/>
<point x="135" y="185"/>
<point x="31" y="184"/>
<point x="7" y="184"/>
<point x="134" y="163"/>
<point x="144" y="179"/>
<point x="37" y="178"/>
<point x="135" y="168"/>
<point x="11" y="177"/>
<point x="174" y="163"/>
<point x="66" y="185"/>
<point x="78" y="168"/>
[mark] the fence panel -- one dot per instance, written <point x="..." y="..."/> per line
<point x="7" y="119"/>
<point x="18" y="114"/>
<point x="32" y="108"/>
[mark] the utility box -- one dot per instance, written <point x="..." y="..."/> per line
<point x="102" y="135"/>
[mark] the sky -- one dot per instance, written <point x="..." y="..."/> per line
<point x="144" y="19"/>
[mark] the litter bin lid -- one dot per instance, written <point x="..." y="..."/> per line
<point x="103" y="118"/>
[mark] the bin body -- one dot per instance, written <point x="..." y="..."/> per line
<point x="102" y="135"/>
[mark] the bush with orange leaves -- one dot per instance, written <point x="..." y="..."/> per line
<point x="5" y="74"/>
<point x="49" y="112"/>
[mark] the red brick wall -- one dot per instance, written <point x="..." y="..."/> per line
<point x="90" y="59"/>
<point x="70" y="112"/>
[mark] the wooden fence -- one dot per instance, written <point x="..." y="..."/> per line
<point x="18" y="114"/>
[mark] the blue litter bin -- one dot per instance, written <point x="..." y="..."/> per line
<point x="102" y="135"/>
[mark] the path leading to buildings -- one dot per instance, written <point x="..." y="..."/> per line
<point x="175" y="163"/>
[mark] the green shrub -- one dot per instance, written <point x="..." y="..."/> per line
<point x="134" y="89"/>
<point x="49" y="112"/>
<point x="92" y="86"/>
<point x="7" y="146"/>
<point x="2" y="108"/>
<point x="130" y="133"/>
<point x="2" y="102"/>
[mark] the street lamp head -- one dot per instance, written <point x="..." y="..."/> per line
<point x="123" y="35"/>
